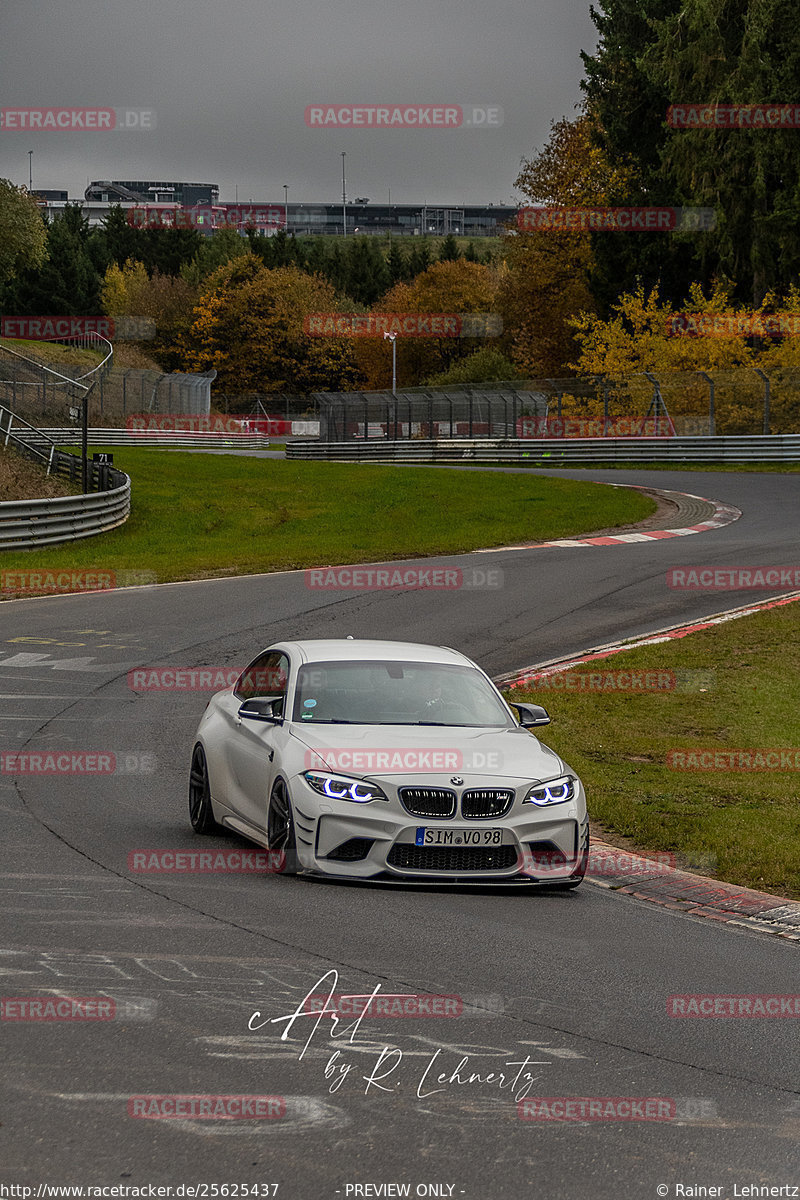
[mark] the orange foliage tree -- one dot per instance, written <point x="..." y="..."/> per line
<point x="249" y="326"/>
<point x="446" y="287"/>
<point x="547" y="280"/>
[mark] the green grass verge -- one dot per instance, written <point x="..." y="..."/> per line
<point x="747" y="821"/>
<point x="197" y="515"/>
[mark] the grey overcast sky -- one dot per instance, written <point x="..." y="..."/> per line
<point x="230" y="81"/>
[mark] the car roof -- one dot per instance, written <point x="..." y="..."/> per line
<point x="345" y="650"/>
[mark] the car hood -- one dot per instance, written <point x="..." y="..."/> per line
<point x="386" y="751"/>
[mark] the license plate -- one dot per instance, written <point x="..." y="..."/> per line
<point x="427" y="836"/>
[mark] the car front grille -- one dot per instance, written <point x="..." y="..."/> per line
<point x="428" y="801"/>
<point x="451" y="858"/>
<point x="352" y="850"/>
<point x="486" y="802"/>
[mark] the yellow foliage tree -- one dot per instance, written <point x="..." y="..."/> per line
<point x="167" y="300"/>
<point x="124" y="289"/>
<point x="636" y="338"/>
<point x="249" y="326"/>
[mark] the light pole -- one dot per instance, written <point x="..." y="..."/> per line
<point x="30" y="170"/>
<point x="344" y="199"/>
<point x="286" y="207"/>
<point x="393" y="339"/>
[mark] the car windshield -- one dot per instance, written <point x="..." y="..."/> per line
<point x="396" y="693"/>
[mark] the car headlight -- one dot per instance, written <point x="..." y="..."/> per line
<point x="342" y="787"/>
<point x="554" y="791"/>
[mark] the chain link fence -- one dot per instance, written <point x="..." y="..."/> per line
<point x="738" y="402"/>
<point x="276" y="406"/>
<point x="743" y="402"/>
<point x="51" y="394"/>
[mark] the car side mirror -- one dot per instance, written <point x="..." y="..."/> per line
<point x="262" y="708"/>
<point x="531" y="715"/>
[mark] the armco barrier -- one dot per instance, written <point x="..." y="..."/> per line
<point x="158" y="438"/>
<point x="551" y="452"/>
<point x="26" y="524"/>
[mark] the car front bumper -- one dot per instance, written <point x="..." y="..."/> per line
<point x="380" y="839"/>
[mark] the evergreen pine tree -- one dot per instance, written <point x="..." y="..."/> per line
<point x="449" y="251"/>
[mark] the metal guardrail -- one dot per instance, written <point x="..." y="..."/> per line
<point x="550" y="452"/>
<point x="159" y="438"/>
<point x="26" y="524"/>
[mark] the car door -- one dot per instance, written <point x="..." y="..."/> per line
<point x="252" y="747"/>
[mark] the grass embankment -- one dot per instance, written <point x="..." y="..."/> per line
<point x="58" y="356"/>
<point x="196" y="515"/>
<point x="747" y="821"/>
<point x="53" y="354"/>
<point x="23" y="479"/>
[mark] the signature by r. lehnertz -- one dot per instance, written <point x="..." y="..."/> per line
<point x="384" y="1075"/>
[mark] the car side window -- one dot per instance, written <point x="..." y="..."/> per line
<point x="267" y="675"/>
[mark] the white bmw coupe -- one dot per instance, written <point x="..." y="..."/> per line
<point x="387" y="761"/>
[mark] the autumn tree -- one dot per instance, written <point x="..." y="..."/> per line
<point x="445" y="287"/>
<point x="23" y="236"/>
<point x="549" y="271"/>
<point x="167" y="300"/>
<point x="645" y="333"/>
<point x="249" y="327"/>
<point x="637" y="336"/>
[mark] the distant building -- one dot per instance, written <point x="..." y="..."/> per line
<point x="465" y="220"/>
<point x="48" y="194"/>
<point x="362" y="217"/>
<point x="144" y="191"/>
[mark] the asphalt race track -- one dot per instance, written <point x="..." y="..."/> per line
<point x="572" y="989"/>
